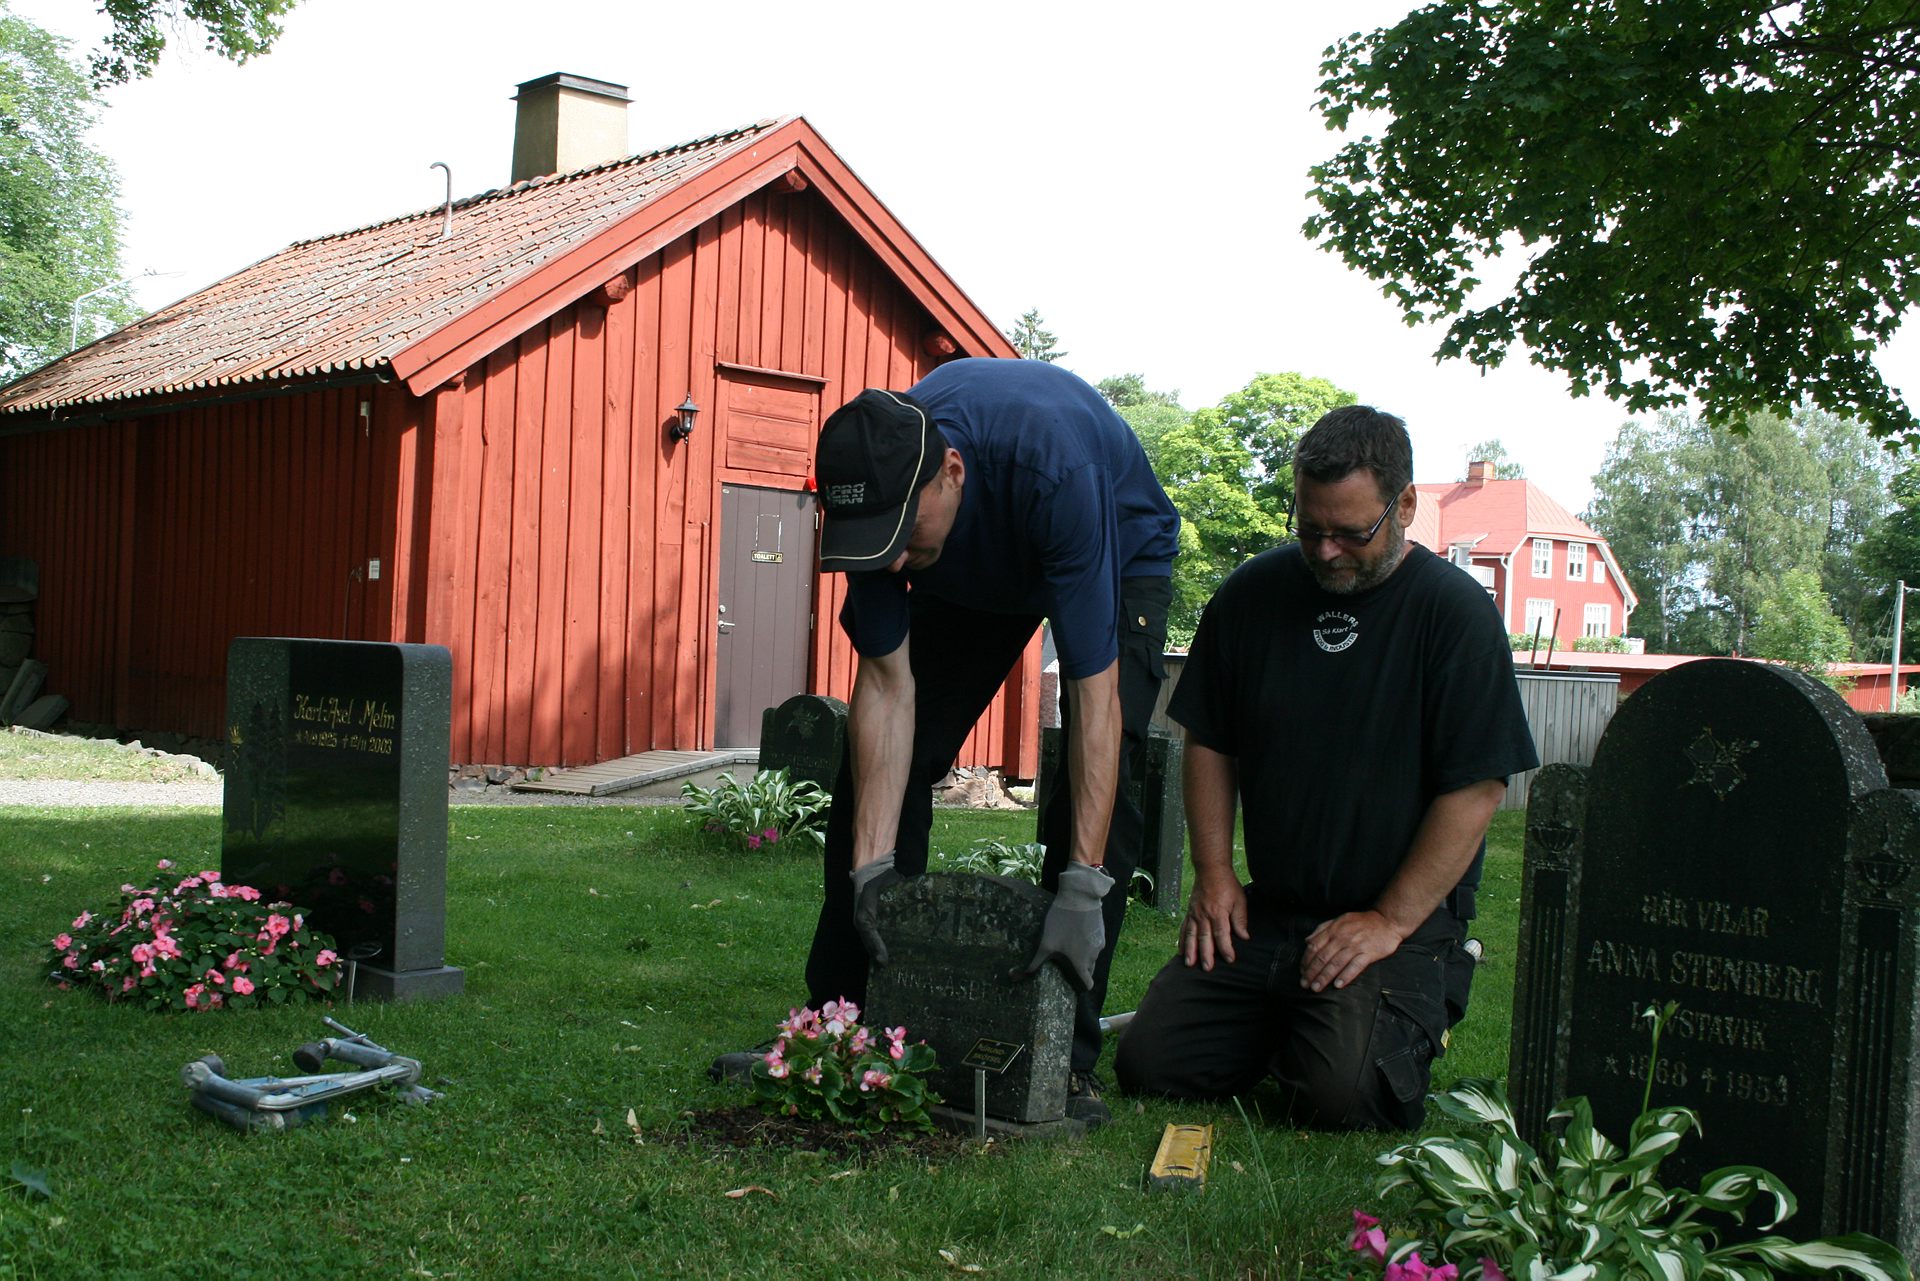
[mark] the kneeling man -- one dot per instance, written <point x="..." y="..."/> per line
<point x="1356" y="695"/>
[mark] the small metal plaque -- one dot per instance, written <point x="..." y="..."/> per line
<point x="989" y="1055"/>
<point x="768" y="558"/>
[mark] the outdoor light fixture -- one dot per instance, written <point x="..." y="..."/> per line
<point x="684" y="427"/>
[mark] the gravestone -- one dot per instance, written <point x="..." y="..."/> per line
<point x="956" y="946"/>
<point x="1153" y="785"/>
<point x="336" y="798"/>
<point x="1733" y="848"/>
<point x="806" y="736"/>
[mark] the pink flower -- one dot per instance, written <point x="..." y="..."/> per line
<point x="164" y="945"/>
<point x="126" y="985"/>
<point x="245" y="892"/>
<point x="164" y="864"/>
<point x="771" y="835"/>
<point x="215" y="977"/>
<point x="98" y="967"/>
<point x="242" y="985"/>
<point x="874" y="1079"/>
<point x="278" y="925"/>
<point x="1412" y="1268"/>
<point x="861" y="1040"/>
<point x="1367" y="1237"/>
<point x="210" y="877"/>
<point x="190" y="883"/>
<point x="80" y="921"/>
<point x="753" y="842"/>
<point x="327" y="957"/>
<point x="840" y="1015"/>
<point x="299" y="922"/>
<point x="193" y="995"/>
<point x="143" y="953"/>
<point x="812" y="1075"/>
<point x="71" y="961"/>
<point x="62" y="941"/>
<point x="1490" y="1271"/>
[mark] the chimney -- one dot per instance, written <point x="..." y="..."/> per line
<point x="566" y="123"/>
<point x="1479" y="473"/>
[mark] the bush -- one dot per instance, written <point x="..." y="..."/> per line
<point x="770" y="808"/>
<point x="201" y="945"/>
<point x="826" y="1067"/>
<point x="1601" y="644"/>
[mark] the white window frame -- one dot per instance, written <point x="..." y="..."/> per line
<point x="1539" y="609"/>
<point x="1598" y="621"/>
<point x="1577" y="562"/>
<point x="1543" y="558"/>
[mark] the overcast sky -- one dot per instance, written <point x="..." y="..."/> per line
<point x="1136" y="172"/>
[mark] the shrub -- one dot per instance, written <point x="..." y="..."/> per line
<point x="201" y="945"/>
<point x="1600" y="644"/>
<point x="1021" y="861"/>
<point x="826" y="1067"/>
<point x="768" y="809"/>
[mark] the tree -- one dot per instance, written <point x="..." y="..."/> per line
<point x="1714" y="197"/>
<point x="236" y="29"/>
<point x="1269" y="415"/>
<point x="1492" y="451"/>
<point x="59" y="226"/>
<point x="1032" y="340"/>
<point x="1889" y="554"/>
<point x="1124" y="391"/>
<point x="1640" y="507"/>
<point x="1798" y="628"/>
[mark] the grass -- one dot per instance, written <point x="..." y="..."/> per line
<point x="610" y="952"/>
<point x="30" y="755"/>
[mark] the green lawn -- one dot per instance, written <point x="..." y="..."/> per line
<point x="609" y="954"/>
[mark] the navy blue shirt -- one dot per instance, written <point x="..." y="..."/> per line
<point x="1058" y="506"/>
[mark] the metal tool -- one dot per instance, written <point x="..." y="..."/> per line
<point x="283" y="1103"/>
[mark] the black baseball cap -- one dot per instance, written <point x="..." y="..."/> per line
<point x="876" y="453"/>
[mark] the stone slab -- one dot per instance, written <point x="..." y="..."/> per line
<point x="957" y="943"/>
<point x="807" y="737"/>
<point x="26" y="683"/>
<point x="42" y="713"/>
<point x="961" y="1122"/>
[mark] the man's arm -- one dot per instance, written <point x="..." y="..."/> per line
<point x="880" y="723"/>
<point x="1217" y="905"/>
<point x="1443" y="849"/>
<point x="1093" y="760"/>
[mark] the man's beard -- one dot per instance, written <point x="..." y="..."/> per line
<point x="1346" y="580"/>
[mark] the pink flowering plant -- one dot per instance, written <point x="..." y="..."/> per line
<point x="770" y="808"/>
<point x="826" y="1066"/>
<point x="196" y="944"/>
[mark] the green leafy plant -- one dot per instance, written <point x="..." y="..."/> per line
<point x="766" y="810"/>
<point x="201" y="945"/>
<point x="825" y="1066"/>
<point x="1600" y="644"/>
<point x="1582" y="1208"/>
<point x="1021" y="861"/>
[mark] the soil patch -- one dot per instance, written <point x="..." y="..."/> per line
<point x="744" y="1129"/>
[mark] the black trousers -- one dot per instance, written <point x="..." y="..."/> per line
<point x="960" y="657"/>
<point x="1355" y="1058"/>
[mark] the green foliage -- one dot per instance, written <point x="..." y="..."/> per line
<point x="1890" y="553"/>
<point x="1581" y="1205"/>
<point x="236" y="29"/>
<point x="825" y="1066"/>
<point x="1126" y="391"/>
<point x="1798" y="628"/>
<point x="59" y="227"/>
<point x="1711" y="198"/>
<point x="1492" y="451"/>
<point x="1600" y="644"/>
<point x="767" y="809"/>
<point x="987" y="857"/>
<point x="200" y="945"/>
<point x="1033" y="340"/>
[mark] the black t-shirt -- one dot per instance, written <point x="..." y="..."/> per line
<point x="1347" y="715"/>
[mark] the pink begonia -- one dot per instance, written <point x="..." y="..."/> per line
<point x="217" y="891"/>
<point x="1367" y="1237"/>
<point x="242" y="985"/>
<point x="63" y="941"/>
<point x="327" y="957"/>
<point x="244" y="892"/>
<point x="812" y="1075"/>
<point x="771" y="835"/>
<point x="299" y="922"/>
<point x="140" y="906"/>
<point x="1413" y="1268"/>
<point x="210" y="877"/>
<point x="874" y="1078"/>
<point x="166" y="947"/>
<point x="753" y="842"/>
<point x="98" y="966"/>
<point x="80" y="921"/>
<point x="127" y="984"/>
<point x="776" y="1061"/>
<point x="861" y="1039"/>
<point x="190" y="883"/>
<point x="143" y="952"/>
<point x="1490" y="1270"/>
<point x="71" y="961"/>
<point x="193" y="995"/>
<point x="217" y="1000"/>
<point x="164" y="864"/>
<point x="147" y="971"/>
<point x="214" y="977"/>
<point x="126" y="889"/>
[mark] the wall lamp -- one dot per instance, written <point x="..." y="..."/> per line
<point x="682" y="427"/>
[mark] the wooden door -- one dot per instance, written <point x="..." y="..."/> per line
<point x="765" y="622"/>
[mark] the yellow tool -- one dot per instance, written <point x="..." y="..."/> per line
<point x="1181" y="1161"/>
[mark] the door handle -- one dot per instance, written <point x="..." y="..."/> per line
<point x="725" y="626"/>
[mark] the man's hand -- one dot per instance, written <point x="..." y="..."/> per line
<point x="1216" y="916"/>
<point x="1338" y="951"/>
<point x="1073" y="930"/>
<point x="868" y="880"/>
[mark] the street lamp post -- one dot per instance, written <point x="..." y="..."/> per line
<point x="73" y="337"/>
<point x="1900" y="590"/>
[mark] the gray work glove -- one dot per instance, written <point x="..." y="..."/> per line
<point x="868" y="881"/>
<point x="1073" y="930"/>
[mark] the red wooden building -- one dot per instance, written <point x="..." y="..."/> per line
<point x="1541" y="563"/>
<point x="459" y="427"/>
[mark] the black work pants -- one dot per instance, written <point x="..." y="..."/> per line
<point x="960" y="657"/>
<point x="1352" y="1058"/>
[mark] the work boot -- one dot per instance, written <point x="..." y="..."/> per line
<point x="1083" y="1100"/>
<point x="738" y="1066"/>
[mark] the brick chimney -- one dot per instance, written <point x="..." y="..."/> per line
<point x="566" y="123"/>
<point x="1479" y="473"/>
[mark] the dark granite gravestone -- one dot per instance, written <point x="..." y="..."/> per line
<point x="1154" y="786"/>
<point x="336" y="797"/>
<point x="1734" y="848"/>
<point x="806" y="736"/>
<point x="956" y="944"/>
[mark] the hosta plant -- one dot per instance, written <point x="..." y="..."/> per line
<point x="767" y="809"/>
<point x="1021" y="861"/>
<point x="196" y="945"/>
<point x="1582" y="1208"/>
<point x="825" y="1066"/>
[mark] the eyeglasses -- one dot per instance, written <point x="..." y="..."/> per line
<point x="1346" y="538"/>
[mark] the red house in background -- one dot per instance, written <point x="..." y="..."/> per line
<point x="467" y="427"/>
<point x="1541" y="563"/>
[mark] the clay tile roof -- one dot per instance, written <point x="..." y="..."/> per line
<point x="350" y="301"/>
<point x="1500" y="512"/>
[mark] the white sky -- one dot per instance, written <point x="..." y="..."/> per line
<point x="1137" y="172"/>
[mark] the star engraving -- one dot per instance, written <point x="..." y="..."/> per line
<point x="1717" y="764"/>
<point x="803" y="721"/>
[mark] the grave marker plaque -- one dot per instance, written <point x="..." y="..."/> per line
<point x="336" y="797"/>
<point x="956" y="944"/>
<point x="1736" y="850"/>
<point x="806" y="736"/>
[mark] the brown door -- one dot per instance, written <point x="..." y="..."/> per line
<point x="766" y="598"/>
